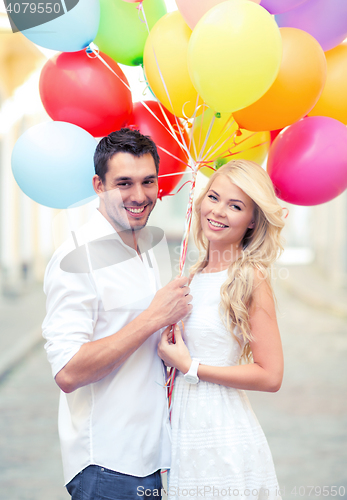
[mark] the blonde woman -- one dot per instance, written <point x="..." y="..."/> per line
<point x="231" y="342"/>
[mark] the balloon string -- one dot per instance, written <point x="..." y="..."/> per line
<point x="182" y="261"/>
<point x="173" y="156"/>
<point x="200" y="132"/>
<point x="171" y="132"/>
<point x="191" y="138"/>
<point x="206" y="138"/>
<point x="179" y="126"/>
<point x="230" y="152"/>
<point x="226" y="129"/>
<point x="140" y="9"/>
<point x="208" y="154"/>
<point x="188" y="221"/>
<point x="182" y="144"/>
<point x="179" y="189"/>
<point x="169" y="98"/>
<point x="285" y="208"/>
<point x="92" y="47"/>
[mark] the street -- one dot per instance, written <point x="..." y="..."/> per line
<point x="305" y="422"/>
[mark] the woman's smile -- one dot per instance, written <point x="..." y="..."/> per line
<point x="215" y="225"/>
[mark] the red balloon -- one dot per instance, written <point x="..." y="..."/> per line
<point x="81" y="90"/>
<point x="147" y="124"/>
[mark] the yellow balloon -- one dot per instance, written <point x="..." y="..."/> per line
<point x="214" y="140"/>
<point x="166" y="67"/>
<point x="234" y="54"/>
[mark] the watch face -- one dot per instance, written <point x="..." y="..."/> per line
<point x="192" y="379"/>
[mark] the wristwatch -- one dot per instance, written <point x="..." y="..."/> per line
<point x="192" y="374"/>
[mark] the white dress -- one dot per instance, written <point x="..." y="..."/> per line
<point x="218" y="447"/>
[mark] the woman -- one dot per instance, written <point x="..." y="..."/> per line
<point x="219" y="448"/>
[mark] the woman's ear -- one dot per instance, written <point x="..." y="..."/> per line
<point x="251" y="225"/>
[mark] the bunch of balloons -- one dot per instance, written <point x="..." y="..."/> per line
<point x="231" y="78"/>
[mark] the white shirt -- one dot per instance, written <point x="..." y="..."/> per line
<point x="120" y="422"/>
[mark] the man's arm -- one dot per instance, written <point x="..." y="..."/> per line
<point x="96" y="359"/>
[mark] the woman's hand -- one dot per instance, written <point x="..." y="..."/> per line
<point x="176" y="355"/>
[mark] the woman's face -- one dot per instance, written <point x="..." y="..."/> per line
<point x="226" y="213"/>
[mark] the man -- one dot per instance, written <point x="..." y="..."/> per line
<point x="104" y="313"/>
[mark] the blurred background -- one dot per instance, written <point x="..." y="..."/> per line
<point x="305" y="422"/>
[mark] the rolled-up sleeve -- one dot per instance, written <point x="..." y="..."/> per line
<point x="72" y="311"/>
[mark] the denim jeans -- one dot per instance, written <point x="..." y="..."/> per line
<point x="97" y="483"/>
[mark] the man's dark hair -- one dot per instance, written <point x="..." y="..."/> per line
<point x="124" y="140"/>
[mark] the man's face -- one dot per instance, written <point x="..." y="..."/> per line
<point x="129" y="192"/>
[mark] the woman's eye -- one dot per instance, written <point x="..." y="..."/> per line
<point x="236" y="206"/>
<point x="212" y="197"/>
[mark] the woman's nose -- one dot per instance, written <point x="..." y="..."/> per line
<point x="218" y="209"/>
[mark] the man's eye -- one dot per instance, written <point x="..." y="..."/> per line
<point x="123" y="184"/>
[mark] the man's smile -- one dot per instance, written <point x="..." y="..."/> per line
<point x="136" y="211"/>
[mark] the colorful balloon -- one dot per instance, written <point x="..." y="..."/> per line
<point x="53" y="164"/>
<point x="295" y="91"/>
<point x="280" y="6"/>
<point x="308" y="161"/>
<point x="144" y="121"/>
<point x="166" y="67"/>
<point x="220" y="144"/>
<point x="81" y="90"/>
<point x="326" y="20"/>
<point x="333" y="101"/>
<point x="123" y="32"/>
<point x="193" y="10"/>
<point x="72" y="31"/>
<point x="234" y="55"/>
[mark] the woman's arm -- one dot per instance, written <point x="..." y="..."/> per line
<point x="265" y="374"/>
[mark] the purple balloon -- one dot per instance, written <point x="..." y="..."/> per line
<point x="280" y="6"/>
<point x="325" y="20"/>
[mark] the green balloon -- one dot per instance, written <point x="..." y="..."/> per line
<point x="122" y="33"/>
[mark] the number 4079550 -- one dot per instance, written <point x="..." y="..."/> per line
<point x="318" y="491"/>
<point x="32" y="8"/>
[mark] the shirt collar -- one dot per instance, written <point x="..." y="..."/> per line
<point x="101" y="228"/>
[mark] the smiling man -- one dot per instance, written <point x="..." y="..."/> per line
<point x="102" y="328"/>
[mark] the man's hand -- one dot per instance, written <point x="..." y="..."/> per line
<point x="100" y="357"/>
<point x="171" y="303"/>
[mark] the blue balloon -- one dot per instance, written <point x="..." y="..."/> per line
<point x="53" y="164"/>
<point x="70" y="32"/>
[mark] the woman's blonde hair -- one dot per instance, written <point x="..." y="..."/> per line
<point x="261" y="245"/>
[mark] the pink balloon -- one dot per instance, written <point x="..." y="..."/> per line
<point x="193" y="10"/>
<point x="280" y="6"/>
<point x="308" y="161"/>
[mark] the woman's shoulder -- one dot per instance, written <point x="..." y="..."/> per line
<point x="262" y="290"/>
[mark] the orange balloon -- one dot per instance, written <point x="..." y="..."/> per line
<point x="333" y="101"/>
<point x="193" y="10"/>
<point x="295" y="91"/>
